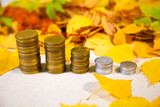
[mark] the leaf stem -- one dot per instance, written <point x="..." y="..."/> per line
<point x="93" y="93"/>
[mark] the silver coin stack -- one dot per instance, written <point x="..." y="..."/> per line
<point x="103" y="65"/>
<point x="128" y="67"/>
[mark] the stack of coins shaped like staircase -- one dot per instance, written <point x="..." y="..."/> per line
<point x="80" y="59"/>
<point x="28" y="51"/>
<point x="55" y="54"/>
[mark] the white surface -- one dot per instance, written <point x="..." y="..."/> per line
<point x="50" y="90"/>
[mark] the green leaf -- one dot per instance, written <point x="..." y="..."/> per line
<point x="21" y="4"/>
<point x="6" y="20"/>
<point x="58" y="7"/>
<point x="156" y="26"/>
<point x="62" y="1"/>
<point x="153" y="11"/>
<point x="50" y="11"/>
<point x="144" y="20"/>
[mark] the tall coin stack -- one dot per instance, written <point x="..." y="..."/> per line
<point x="55" y="54"/>
<point x="80" y="59"/>
<point x="28" y="50"/>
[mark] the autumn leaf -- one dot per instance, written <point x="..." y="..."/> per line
<point x="78" y="22"/>
<point x="125" y="53"/>
<point x="119" y="37"/>
<point x="143" y="20"/>
<point x="151" y="70"/>
<point x="132" y="28"/>
<point x="131" y="102"/>
<point x="9" y="60"/>
<point x="118" y="88"/>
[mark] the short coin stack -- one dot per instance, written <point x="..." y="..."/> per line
<point x="28" y="50"/>
<point x="128" y="67"/>
<point x="80" y="59"/>
<point x="103" y="65"/>
<point x="55" y="54"/>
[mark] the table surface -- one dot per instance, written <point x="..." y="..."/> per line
<point x="51" y="90"/>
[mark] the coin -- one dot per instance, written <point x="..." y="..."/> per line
<point x="54" y="40"/>
<point x="27" y="44"/>
<point x="128" y="67"/>
<point x="26" y="34"/>
<point x="28" y="50"/>
<point x="80" y="71"/>
<point x="80" y="51"/>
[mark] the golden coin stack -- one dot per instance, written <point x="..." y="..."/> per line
<point x="55" y="54"/>
<point x="28" y="50"/>
<point x="80" y="59"/>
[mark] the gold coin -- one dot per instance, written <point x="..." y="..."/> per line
<point x="26" y="34"/>
<point x="29" y="55"/>
<point x="28" y="50"/>
<point x="27" y="44"/>
<point x="80" y="71"/>
<point x="33" y="67"/>
<point x="80" y="51"/>
<point x="54" y="40"/>
<point x="50" y="62"/>
<point x="55" y="54"/>
<point x="30" y="62"/>
<point x="55" y="50"/>
<point x="55" y="46"/>
<point x="30" y="72"/>
<point x="55" y="71"/>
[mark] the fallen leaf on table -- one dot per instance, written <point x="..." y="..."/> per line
<point x="141" y="49"/>
<point x="119" y="37"/>
<point x="132" y="28"/>
<point x="121" y="53"/>
<point x="151" y="70"/>
<point x="155" y="103"/>
<point x="8" y="60"/>
<point x="131" y="102"/>
<point x="118" y="88"/>
<point x="77" y="22"/>
<point x="79" y="105"/>
<point x="9" y="42"/>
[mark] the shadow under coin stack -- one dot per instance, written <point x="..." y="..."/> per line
<point x="28" y="51"/>
<point x="55" y="54"/>
<point x="80" y="59"/>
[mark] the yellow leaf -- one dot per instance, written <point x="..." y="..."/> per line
<point x="68" y="40"/>
<point x="102" y="50"/>
<point x="118" y="88"/>
<point x="54" y="28"/>
<point x="2" y="38"/>
<point x="155" y="103"/>
<point x="78" y="105"/>
<point x="119" y="37"/>
<point x="10" y="42"/>
<point x="108" y="26"/>
<point x="131" y="102"/>
<point x="151" y="70"/>
<point x="68" y="51"/>
<point x="132" y="28"/>
<point x="121" y="53"/>
<point x="141" y="49"/>
<point x="90" y="45"/>
<point x="77" y="22"/>
<point x="157" y="42"/>
<point x="8" y="60"/>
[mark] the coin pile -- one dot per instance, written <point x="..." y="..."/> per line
<point x="128" y="67"/>
<point x="103" y="65"/>
<point x="28" y="51"/>
<point x="55" y="54"/>
<point x="80" y="59"/>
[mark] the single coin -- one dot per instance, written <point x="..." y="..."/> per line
<point x="27" y="41"/>
<point x="51" y="62"/>
<point x="80" y="51"/>
<point x="27" y="44"/>
<point x="54" y="40"/>
<point x="28" y="50"/>
<point x="103" y="60"/>
<point x="30" y="72"/>
<point x="80" y="71"/>
<point x="26" y="34"/>
<point x="29" y="62"/>
<point x="33" y="67"/>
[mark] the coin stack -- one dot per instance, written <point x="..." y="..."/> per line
<point x="128" y="67"/>
<point x="103" y="65"/>
<point x="80" y="59"/>
<point x="28" y="51"/>
<point x="55" y="54"/>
